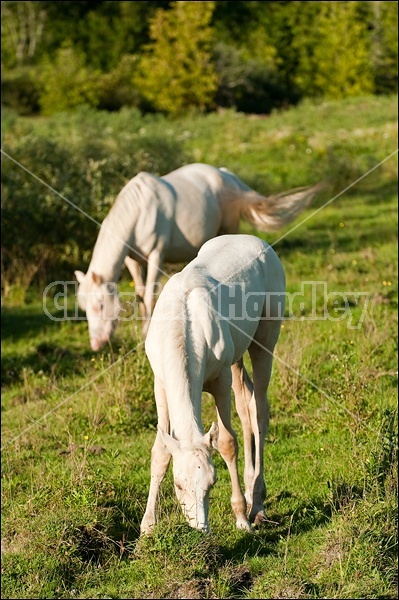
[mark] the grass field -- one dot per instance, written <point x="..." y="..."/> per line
<point x="78" y="427"/>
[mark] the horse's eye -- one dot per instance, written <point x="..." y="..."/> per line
<point x="110" y="288"/>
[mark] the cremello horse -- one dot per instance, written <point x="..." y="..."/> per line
<point x="167" y="219"/>
<point x="229" y="299"/>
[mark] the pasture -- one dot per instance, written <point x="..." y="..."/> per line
<point x="78" y="426"/>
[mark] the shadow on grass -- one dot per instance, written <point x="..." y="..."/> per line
<point x="33" y="342"/>
<point x="45" y="355"/>
<point x="18" y="322"/>
<point x="280" y="526"/>
<point x="263" y="541"/>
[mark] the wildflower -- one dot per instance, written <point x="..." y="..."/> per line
<point x="342" y="224"/>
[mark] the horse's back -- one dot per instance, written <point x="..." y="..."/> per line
<point x="197" y="211"/>
<point x="234" y="288"/>
<point x="241" y="258"/>
<point x="220" y="301"/>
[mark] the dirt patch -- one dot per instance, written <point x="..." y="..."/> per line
<point x="195" y="588"/>
<point x="14" y="544"/>
<point x="238" y="578"/>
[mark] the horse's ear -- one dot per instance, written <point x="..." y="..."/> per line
<point x="79" y="276"/>
<point x="211" y="438"/>
<point x="170" y="442"/>
<point x="97" y="279"/>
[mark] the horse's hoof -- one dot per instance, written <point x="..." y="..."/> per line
<point x="259" y="519"/>
<point x="147" y="527"/>
<point x="244" y="525"/>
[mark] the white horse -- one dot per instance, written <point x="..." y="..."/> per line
<point x="167" y="219"/>
<point x="229" y="299"/>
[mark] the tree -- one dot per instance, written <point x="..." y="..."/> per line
<point x="22" y="31"/>
<point x="176" y="71"/>
<point x="384" y="46"/>
<point x="67" y="82"/>
<point x="333" y="49"/>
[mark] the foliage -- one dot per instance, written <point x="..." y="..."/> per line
<point x="334" y="61"/>
<point x="253" y="56"/>
<point x="53" y="171"/>
<point x="245" y="83"/>
<point x="77" y="427"/>
<point x="116" y="89"/>
<point x="22" y="31"/>
<point x="385" y="46"/>
<point x="175" y="72"/>
<point x="20" y="89"/>
<point x="67" y="83"/>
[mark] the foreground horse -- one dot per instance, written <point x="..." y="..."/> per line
<point x="167" y="219"/>
<point x="229" y="299"/>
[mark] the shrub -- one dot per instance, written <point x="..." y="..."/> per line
<point x="45" y="236"/>
<point x="20" y="90"/>
<point x="116" y="88"/>
<point x="67" y="82"/>
<point x="249" y="85"/>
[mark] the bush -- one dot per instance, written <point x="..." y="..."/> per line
<point x="67" y="82"/>
<point x="43" y="235"/>
<point x="116" y="87"/>
<point x="20" y="91"/>
<point x="249" y="85"/>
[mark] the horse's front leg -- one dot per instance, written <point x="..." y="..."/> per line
<point x="154" y="270"/>
<point x="160" y="458"/>
<point x="243" y="389"/>
<point x="228" y="446"/>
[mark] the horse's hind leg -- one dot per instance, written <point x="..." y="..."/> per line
<point x="137" y="272"/>
<point x="243" y="390"/>
<point x="228" y="446"/>
<point x="261" y="353"/>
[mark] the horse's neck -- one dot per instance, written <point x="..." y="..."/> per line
<point x="109" y="254"/>
<point x="116" y="237"/>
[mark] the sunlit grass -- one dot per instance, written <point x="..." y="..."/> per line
<point x="78" y="427"/>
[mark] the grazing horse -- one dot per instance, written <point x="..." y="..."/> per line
<point x="228" y="300"/>
<point x="167" y="219"/>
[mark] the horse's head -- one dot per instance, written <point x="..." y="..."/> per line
<point x="100" y="301"/>
<point x="194" y="475"/>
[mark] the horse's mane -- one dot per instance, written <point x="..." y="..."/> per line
<point x="178" y="361"/>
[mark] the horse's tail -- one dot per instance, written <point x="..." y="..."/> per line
<point x="268" y="213"/>
<point x="273" y="212"/>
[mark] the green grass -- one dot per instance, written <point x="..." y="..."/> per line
<point x="78" y="427"/>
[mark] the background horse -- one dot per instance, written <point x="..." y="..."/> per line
<point x="167" y="219"/>
<point x="229" y="299"/>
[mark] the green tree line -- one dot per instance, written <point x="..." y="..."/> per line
<point x="173" y="57"/>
